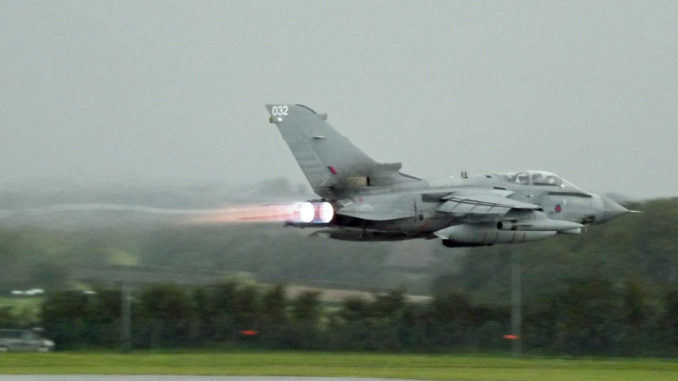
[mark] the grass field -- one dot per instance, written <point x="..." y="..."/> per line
<point x="438" y="367"/>
<point x="26" y="308"/>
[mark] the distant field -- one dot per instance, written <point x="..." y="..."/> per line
<point x="438" y="367"/>
<point x="27" y="308"/>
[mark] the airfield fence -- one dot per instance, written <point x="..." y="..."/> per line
<point x="589" y="317"/>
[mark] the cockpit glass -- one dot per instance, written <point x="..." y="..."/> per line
<point x="548" y="179"/>
<point x="568" y="185"/>
<point x="521" y="178"/>
<point x="540" y="178"/>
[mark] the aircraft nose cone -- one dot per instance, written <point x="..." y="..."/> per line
<point x="611" y="209"/>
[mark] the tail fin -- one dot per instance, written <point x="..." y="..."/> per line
<point x="327" y="158"/>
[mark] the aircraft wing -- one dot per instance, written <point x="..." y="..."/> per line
<point x="477" y="202"/>
<point x="482" y="203"/>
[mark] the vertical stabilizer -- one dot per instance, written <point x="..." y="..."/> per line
<point x="328" y="159"/>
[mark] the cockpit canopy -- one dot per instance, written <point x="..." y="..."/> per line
<point x="542" y="178"/>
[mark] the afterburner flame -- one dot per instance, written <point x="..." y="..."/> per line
<point x="261" y="213"/>
<point x="306" y="212"/>
<point x="325" y="212"/>
<point x="299" y="212"/>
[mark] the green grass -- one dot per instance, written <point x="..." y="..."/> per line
<point x="438" y="367"/>
<point x="26" y="308"/>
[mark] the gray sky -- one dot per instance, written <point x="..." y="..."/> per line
<point x="173" y="92"/>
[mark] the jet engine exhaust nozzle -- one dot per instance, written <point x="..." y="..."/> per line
<point x="313" y="213"/>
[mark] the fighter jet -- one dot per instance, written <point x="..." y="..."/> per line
<point x="363" y="200"/>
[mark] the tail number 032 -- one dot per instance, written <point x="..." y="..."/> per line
<point x="279" y="110"/>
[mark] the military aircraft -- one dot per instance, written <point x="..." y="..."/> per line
<point x="363" y="200"/>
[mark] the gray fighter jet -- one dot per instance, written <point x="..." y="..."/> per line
<point x="363" y="200"/>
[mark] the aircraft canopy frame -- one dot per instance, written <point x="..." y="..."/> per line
<point x="538" y="178"/>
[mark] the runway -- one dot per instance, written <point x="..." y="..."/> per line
<point x="176" y="378"/>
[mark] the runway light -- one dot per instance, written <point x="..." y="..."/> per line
<point x="511" y="337"/>
<point x="249" y="332"/>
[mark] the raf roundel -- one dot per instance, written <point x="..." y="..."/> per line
<point x="559" y="208"/>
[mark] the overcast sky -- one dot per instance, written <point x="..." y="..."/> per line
<point x="174" y="92"/>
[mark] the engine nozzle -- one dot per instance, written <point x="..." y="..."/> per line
<point x="313" y="213"/>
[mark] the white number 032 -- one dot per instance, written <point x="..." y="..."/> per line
<point x="279" y="110"/>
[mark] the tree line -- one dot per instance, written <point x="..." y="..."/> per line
<point x="590" y="316"/>
<point x="611" y="290"/>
